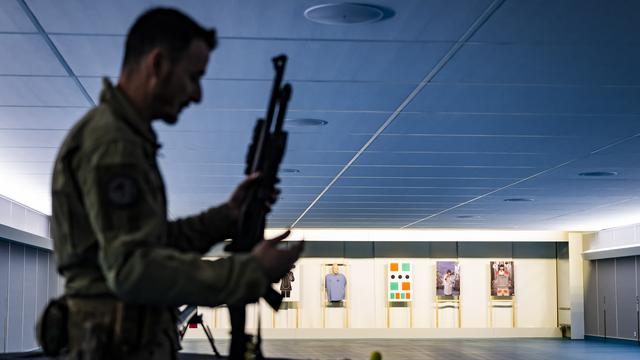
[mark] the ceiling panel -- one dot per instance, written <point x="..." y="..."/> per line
<point x="562" y="147"/>
<point x="584" y="21"/>
<point x="18" y="167"/>
<point x="427" y="181"/>
<point x="442" y="159"/>
<point x="232" y="169"/>
<point x="308" y="96"/>
<point x="292" y="159"/>
<point x="441" y="171"/>
<point x="13" y="19"/>
<point x="197" y="118"/>
<point x="10" y="154"/>
<point x="31" y="138"/>
<point x="251" y="58"/>
<point x="525" y="99"/>
<point x="425" y="20"/>
<point x="296" y="142"/>
<point x="559" y="64"/>
<point x="27" y="54"/>
<point x="40" y="91"/>
<point x="400" y="191"/>
<point x="39" y="118"/>
<point x="524" y="125"/>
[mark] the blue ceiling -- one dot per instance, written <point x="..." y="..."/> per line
<point x="435" y="115"/>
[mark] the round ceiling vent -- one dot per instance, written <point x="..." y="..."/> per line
<point x="305" y="122"/>
<point x="518" y="200"/>
<point x="289" y="170"/>
<point x="598" y="173"/>
<point x="344" y="14"/>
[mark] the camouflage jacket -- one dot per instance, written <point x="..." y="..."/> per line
<point x="110" y="229"/>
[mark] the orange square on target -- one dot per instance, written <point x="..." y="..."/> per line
<point x="406" y="286"/>
<point x="393" y="267"/>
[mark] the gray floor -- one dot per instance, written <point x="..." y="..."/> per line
<point x="459" y="349"/>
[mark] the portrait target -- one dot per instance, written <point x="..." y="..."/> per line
<point x="502" y="279"/>
<point x="447" y="278"/>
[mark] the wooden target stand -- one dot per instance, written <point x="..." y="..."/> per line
<point x="447" y="302"/>
<point x="501" y="302"/>
<point x="287" y="305"/>
<point x="335" y="304"/>
<point x="391" y="304"/>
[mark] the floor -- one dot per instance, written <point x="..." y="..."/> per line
<point x="459" y="349"/>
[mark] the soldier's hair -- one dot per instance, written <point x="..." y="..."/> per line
<point x="167" y="28"/>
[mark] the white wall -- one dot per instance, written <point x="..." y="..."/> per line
<point x="536" y="298"/>
<point x="18" y="216"/>
<point x="28" y="276"/>
<point x="610" y="243"/>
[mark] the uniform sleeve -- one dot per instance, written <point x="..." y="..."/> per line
<point x="198" y="233"/>
<point x="123" y="205"/>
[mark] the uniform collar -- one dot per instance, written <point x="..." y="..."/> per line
<point x="121" y="105"/>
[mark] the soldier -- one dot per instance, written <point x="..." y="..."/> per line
<point x="126" y="266"/>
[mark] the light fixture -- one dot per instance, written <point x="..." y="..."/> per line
<point x="347" y="13"/>
<point x="465" y="216"/>
<point x="305" y="122"/>
<point x="518" y="200"/>
<point x="598" y="173"/>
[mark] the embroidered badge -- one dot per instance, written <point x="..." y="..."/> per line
<point x="122" y="190"/>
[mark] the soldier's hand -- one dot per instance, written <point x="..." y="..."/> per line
<point x="242" y="191"/>
<point x="276" y="262"/>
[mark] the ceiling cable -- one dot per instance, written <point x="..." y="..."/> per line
<point x="481" y="20"/>
<point x="56" y="52"/>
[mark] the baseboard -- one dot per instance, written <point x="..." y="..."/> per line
<point x="416" y="333"/>
<point x="613" y="340"/>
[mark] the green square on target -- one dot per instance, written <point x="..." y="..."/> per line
<point x="401" y="295"/>
<point x="393" y="286"/>
<point x="406" y="267"/>
<point x="392" y="296"/>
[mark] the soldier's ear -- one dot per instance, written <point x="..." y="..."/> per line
<point x="158" y="62"/>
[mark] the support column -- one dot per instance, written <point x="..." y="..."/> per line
<point x="576" y="285"/>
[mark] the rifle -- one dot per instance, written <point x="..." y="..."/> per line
<point x="264" y="156"/>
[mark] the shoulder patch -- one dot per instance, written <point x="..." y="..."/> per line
<point x="122" y="190"/>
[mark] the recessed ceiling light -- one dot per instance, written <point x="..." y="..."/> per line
<point x="518" y="199"/>
<point x="289" y="170"/>
<point x="347" y="13"/>
<point x="305" y="122"/>
<point x="598" y="173"/>
<point x="465" y="216"/>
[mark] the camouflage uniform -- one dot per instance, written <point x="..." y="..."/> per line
<point x="126" y="266"/>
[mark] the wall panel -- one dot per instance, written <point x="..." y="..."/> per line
<point x="24" y="291"/>
<point x="15" y="291"/>
<point x="42" y="285"/>
<point x="30" y="298"/>
<point x="607" y="296"/>
<point x="626" y="296"/>
<point x="591" y="318"/>
<point x="4" y="292"/>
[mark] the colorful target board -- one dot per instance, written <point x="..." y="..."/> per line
<point x="400" y="281"/>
